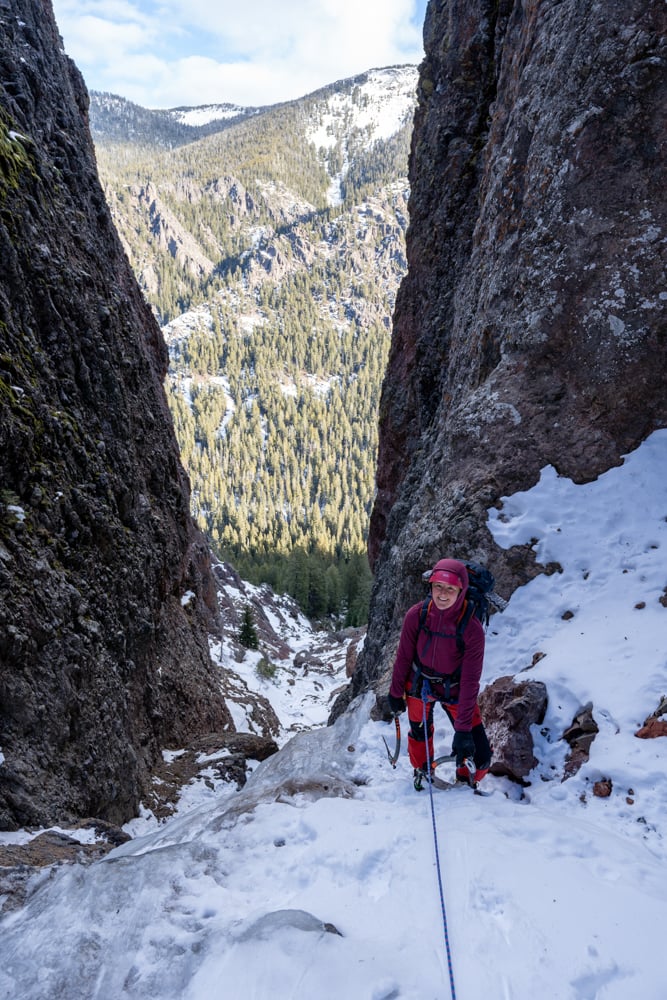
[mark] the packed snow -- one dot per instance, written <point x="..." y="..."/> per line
<point x="320" y="877"/>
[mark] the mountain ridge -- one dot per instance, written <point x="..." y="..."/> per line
<point x="114" y="117"/>
<point x="286" y="228"/>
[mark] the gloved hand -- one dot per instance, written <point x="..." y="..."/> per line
<point x="463" y="746"/>
<point x="397" y="705"/>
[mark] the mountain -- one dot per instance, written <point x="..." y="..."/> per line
<point x="272" y="251"/>
<point x="196" y="212"/>
<point x="115" y="119"/>
<point x="373" y="104"/>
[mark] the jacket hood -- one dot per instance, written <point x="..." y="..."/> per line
<point x="455" y="567"/>
<point x="458" y="569"/>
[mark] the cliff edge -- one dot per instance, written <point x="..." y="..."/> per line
<point x="105" y="585"/>
<point x="530" y="328"/>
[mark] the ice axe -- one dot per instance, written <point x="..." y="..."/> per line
<point x="393" y="757"/>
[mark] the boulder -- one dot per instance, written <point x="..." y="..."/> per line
<point x="509" y="708"/>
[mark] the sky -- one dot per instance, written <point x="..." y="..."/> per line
<point x="328" y="876"/>
<point x="174" y="53"/>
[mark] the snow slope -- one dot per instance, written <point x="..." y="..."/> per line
<point x="319" y="879"/>
<point x="378" y="106"/>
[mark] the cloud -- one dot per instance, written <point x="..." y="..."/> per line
<point x="163" y="53"/>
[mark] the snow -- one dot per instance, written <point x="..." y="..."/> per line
<point x="377" y="107"/>
<point x="319" y="878"/>
<point x="381" y="105"/>
<point x="206" y="113"/>
<point x="301" y="697"/>
<point x="188" y="323"/>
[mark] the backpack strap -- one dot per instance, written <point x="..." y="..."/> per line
<point x="462" y="623"/>
<point x="422" y="621"/>
<point x="446" y="680"/>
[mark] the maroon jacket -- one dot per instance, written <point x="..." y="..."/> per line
<point x="440" y="655"/>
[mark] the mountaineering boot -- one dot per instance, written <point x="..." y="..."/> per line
<point x="469" y="775"/>
<point x="422" y="777"/>
<point x="466" y="774"/>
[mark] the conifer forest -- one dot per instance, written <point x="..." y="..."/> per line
<point x="271" y="251"/>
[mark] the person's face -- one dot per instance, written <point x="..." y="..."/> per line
<point x="444" y="595"/>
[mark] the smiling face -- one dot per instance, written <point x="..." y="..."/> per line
<point x="444" y="595"/>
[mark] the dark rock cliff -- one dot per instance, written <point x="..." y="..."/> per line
<point x="105" y="586"/>
<point x="530" y="329"/>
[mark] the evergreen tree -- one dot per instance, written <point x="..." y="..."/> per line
<point x="248" y="633"/>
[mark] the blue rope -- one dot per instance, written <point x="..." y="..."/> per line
<point x="426" y="690"/>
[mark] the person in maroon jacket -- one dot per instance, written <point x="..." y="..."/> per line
<point x="453" y="669"/>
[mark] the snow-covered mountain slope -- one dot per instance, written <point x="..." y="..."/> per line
<point x="205" y="113"/>
<point x="298" y="668"/>
<point x="320" y="878"/>
<point x="376" y="104"/>
<point x="358" y="114"/>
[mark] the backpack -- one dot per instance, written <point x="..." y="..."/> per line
<point x="480" y="597"/>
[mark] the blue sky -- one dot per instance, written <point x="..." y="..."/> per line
<point x="166" y="53"/>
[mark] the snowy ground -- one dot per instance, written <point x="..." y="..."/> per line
<point x="303" y="686"/>
<point x="556" y="894"/>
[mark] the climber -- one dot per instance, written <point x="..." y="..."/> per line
<point x="442" y="642"/>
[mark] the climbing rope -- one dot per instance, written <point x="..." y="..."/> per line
<point x="426" y="690"/>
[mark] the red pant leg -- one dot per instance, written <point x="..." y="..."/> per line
<point x="452" y="711"/>
<point x="416" y="741"/>
<point x="482" y="747"/>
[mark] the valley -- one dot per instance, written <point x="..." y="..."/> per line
<point x="270" y="244"/>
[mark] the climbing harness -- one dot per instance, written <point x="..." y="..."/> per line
<point x="426" y="688"/>
<point x="445" y="682"/>
<point x="393" y="757"/>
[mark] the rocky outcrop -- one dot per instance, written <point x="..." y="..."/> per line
<point x="530" y="329"/>
<point x="654" y="725"/>
<point x="103" y="577"/>
<point x="579" y="736"/>
<point x="509" y="709"/>
<point x="170" y="236"/>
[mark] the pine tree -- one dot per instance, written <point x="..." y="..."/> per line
<point x="248" y="633"/>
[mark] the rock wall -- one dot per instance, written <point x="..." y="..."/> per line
<point x="530" y="329"/>
<point x="105" y="586"/>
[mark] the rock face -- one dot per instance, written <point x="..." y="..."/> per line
<point x="104" y="582"/>
<point x="530" y="329"/>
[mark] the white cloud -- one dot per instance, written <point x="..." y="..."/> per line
<point x="162" y="54"/>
